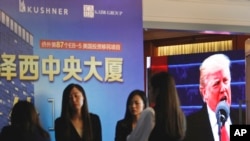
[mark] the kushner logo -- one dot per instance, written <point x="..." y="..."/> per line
<point x="88" y="11"/>
<point x="41" y="9"/>
<point x="22" y="7"/>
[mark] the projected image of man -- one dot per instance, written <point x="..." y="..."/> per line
<point x="215" y="89"/>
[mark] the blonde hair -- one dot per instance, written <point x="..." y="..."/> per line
<point x="212" y="64"/>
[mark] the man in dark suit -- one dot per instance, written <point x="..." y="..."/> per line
<point x="215" y="86"/>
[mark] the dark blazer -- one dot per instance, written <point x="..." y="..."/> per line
<point x="158" y="135"/>
<point x="122" y="130"/>
<point x="199" y="128"/>
<point x="60" y="127"/>
<point x="17" y="133"/>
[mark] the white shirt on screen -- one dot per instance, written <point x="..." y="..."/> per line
<point x="214" y="125"/>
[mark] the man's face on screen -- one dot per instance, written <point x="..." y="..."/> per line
<point x="218" y="88"/>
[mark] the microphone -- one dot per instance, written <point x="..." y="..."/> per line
<point x="222" y="112"/>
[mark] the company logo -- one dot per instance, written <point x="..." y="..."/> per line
<point x="23" y="8"/>
<point x="89" y="11"/>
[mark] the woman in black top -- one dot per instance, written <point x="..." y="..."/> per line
<point x="170" y="120"/>
<point x="136" y="102"/>
<point x="25" y="125"/>
<point x="76" y="123"/>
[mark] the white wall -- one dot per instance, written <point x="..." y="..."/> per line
<point x="247" y="53"/>
<point x="217" y="15"/>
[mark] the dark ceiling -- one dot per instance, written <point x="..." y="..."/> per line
<point x="155" y="34"/>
